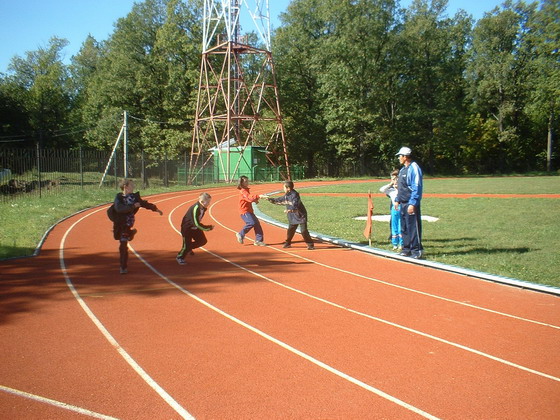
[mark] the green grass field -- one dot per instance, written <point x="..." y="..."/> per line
<point x="512" y="237"/>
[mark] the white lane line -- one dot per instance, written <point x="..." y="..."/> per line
<point x="55" y="403"/>
<point x="297" y="352"/>
<point x="341" y="270"/>
<point x="137" y="368"/>
<point x="402" y="327"/>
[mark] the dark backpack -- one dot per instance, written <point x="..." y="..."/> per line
<point x="112" y="213"/>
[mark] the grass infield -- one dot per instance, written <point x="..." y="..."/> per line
<point x="516" y="237"/>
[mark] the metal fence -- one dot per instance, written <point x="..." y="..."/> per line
<point x="50" y="171"/>
<point x="37" y="171"/>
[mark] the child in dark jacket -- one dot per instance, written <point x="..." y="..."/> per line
<point x="126" y="206"/>
<point x="297" y="214"/>
<point x="192" y="230"/>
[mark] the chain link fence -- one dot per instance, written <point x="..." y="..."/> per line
<point x="38" y="171"/>
<point x="50" y="171"/>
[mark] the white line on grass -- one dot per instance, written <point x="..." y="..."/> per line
<point x="55" y="403"/>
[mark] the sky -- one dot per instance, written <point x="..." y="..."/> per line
<point x="27" y="25"/>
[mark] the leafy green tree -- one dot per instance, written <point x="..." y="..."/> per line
<point x="14" y="122"/>
<point x="40" y="81"/>
<point x="295" y="46"/>
<point x="150" y="69"/>
<point x="498" y="71"/>
<point x="544" y="84"/>
<point x="432" y="50"/>
<point x="356" y="58"/>
<point x="362" y="80"/>
<point x="83" y="67"/>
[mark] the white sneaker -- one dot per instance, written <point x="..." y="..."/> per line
<point x="180" y="261"/>
<point x="239" y="238"/>
<point x="259" y="243"/>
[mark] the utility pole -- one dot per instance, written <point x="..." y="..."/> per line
<point x="125" y="145"/>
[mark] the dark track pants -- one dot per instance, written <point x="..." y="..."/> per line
<point x="192" y="239"/>
<point x="304" y="232"/>
<point x="411" y="225"/>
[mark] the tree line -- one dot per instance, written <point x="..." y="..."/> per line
<point x="357" y="80"/>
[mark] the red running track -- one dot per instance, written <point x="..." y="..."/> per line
<point x="262" y="332"/>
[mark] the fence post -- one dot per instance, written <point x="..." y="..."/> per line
<point x="165" y="177"/>
<point x="144" y="183"/>
<point x="186" y="172"/>
<point x="81" y="168"/>
<point x="39" y="167"/>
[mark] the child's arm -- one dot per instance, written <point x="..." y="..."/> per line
<point x="197" y="222"/>
<point x="251" y="198"/>
<point x="384" y="188"/>
<point x="150" y="206"/>
<point x="278" y="200"/>
<point x="293" y="203"/>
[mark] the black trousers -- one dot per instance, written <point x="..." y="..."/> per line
<point x="122" y="234"/>
<point x="123" y="253"/>
<point x="304" y="232"/>
<point x="411" y="225"/>
<point x="192" y="239"/>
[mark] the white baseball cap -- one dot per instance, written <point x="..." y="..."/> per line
<point x="405" y="151"/>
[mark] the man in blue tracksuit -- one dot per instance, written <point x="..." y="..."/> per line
<point x="409" y="197"/>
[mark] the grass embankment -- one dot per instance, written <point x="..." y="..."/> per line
<point x="512" y="237"/>
<point x="25" y="219"/>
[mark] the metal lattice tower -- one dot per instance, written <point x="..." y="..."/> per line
<point x="237" y="104"/>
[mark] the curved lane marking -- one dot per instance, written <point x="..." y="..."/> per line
<point x="137" y="368"/>
<point x="286" y="346"/>
<point x="180" y="410"/>
<point x="408" y="289"/>
<point x="402" y="327"/>
<point x="56" y="403"/>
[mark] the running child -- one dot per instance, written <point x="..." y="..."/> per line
<point x="246" y="200"/>
<point x="192" y="230"/>
<point x="296" y="212"/>
<point x="126" y="205"/>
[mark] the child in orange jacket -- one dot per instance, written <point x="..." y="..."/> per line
<point x="246" y="200"/>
